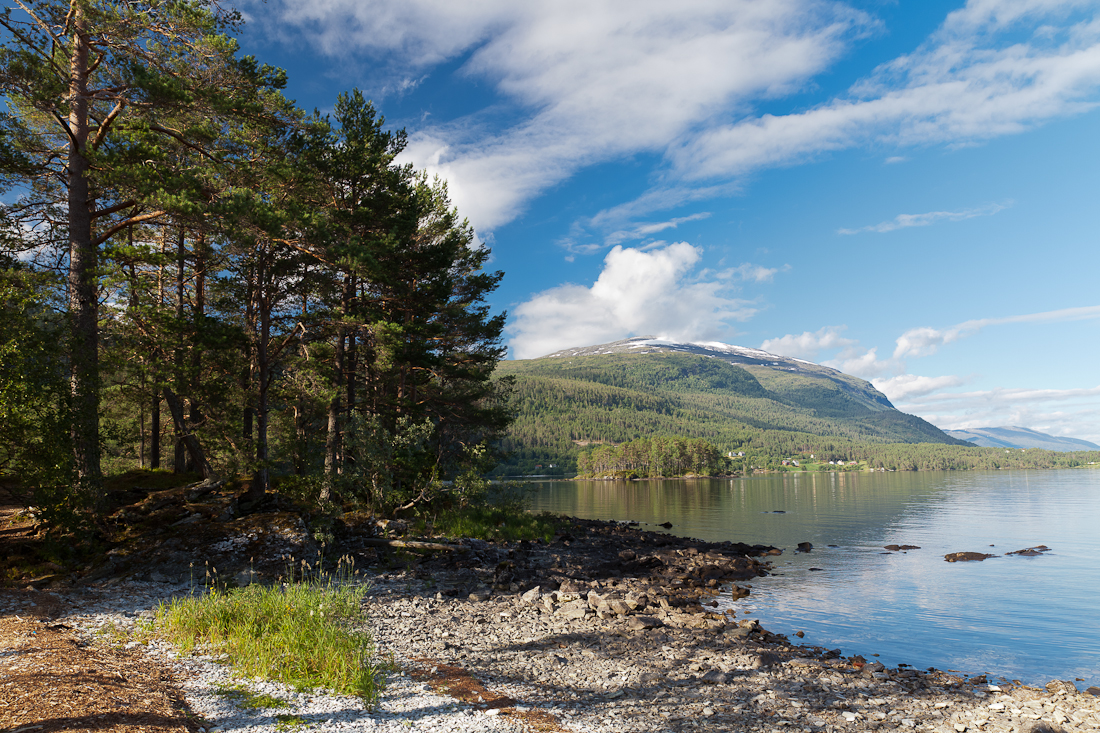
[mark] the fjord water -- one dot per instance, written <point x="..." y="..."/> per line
<point x="1026" y="618"/>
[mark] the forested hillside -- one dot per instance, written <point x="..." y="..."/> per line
<point x="738" y="399"/>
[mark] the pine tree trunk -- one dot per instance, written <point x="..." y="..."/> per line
<point x="332" y="438"/>
<point x="193" y="447"/>
<point x="83" y="295"/>
<point x="154" y="430"/>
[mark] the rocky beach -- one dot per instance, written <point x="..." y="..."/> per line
<point x="607" y="628"/>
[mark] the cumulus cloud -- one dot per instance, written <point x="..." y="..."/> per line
<point x="848" y="355"/>
<point x="903" y="221"/>
<point x="638" y="292"/>
<point x="809" y="344"/>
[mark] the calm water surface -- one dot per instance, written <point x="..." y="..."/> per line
<point x="1031" y="619"/>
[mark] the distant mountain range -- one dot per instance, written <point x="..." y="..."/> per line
<point x="1015" y="437"/>
<point x="737" y="398"/>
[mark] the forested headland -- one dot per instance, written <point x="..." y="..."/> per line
<point x="197" y="275"/>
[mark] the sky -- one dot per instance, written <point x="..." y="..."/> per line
<point x="907" y="192"/>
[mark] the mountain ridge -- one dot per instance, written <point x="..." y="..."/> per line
<point x="733" y="396"/>
<point x="1015" y="437"/>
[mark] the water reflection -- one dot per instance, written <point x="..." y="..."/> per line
<point x="1032" y="619"/>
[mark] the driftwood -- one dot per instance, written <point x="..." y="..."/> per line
<point x="379" y="542"/>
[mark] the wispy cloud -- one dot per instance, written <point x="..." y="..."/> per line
<point x="1067" y="412"/>
<point x="926" y="341"/>
<point x="902" y="221"/>
<point x="579" y="83"/>
<point x="638" y="292"/>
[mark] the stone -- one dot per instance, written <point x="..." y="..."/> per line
<point x="1038" y="726"/>
<point x="533" y="595"/>
<point x="1095" y="691"/>
<point x="573" y="610"/>
<point x="764" y="660"/>
<point x="639" y="623"/>
<point x="480" y="595"/>
<point x="715" y="677"/>
<point x="804" y="547"/>
<point x="966" y="556"/>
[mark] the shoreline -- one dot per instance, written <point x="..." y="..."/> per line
<point x="559" y="635"/>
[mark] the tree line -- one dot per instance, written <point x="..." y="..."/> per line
<point x="655" y="457"/>
<point x="198" y="274"/>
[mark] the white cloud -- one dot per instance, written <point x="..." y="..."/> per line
<point x="902" y="221"/>
<point x="850" y="357"/>
<point x="896" y="159"/>
<point x="925" y="341"/>
<point x="1067" y="412"/>
<point x="809" y="344"/>
<point x="582" y="82"/>
<point x="997" y="67"/>
<point x="579" y="82"/>
<point x="639" y="292"/>
<point x="907" y="386"/>
<point x="647" y="229"/>
<point x="747" y="271"/>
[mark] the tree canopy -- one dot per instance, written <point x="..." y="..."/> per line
<point x="177" y="234"/>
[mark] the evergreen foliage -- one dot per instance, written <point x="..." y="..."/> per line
<point x="190" y="262"/>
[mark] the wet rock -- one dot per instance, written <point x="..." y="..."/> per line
<point x="966" y="556"/>
<point x="1030" y="551"/>
<point x="901" y="548"/>
<point x="804" y="547"/>
<point x="1064" y="686"/>
<point x="666" y="525"/>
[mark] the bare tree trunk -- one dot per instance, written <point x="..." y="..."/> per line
<point x="83" y="295"/>
<point x="189" y="440"/>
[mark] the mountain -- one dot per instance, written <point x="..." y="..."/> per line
<point x="1016" y="437"/>
<point x="737" y="398"/>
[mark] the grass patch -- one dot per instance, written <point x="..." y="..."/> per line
<point x="245" y="699"/>
<point x="492" y="523"/>
<point x="299" y="633"/>
<point x="290" y="722"/>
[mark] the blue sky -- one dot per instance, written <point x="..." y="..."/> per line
<point x="905" y="191"/>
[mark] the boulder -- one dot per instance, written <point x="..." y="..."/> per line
<point x="966" y="556"/>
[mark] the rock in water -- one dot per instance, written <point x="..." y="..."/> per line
<point x="966" y="556"/>
<point x="804" y="547"/>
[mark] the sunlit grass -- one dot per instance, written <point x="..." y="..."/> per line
<point x="491" y="523"/>
<point x="306" y="634"/>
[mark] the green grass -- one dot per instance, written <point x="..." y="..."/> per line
<point x="490" y="523"/>
<point x="245" y="699"/>
<point x="298" y="633"/>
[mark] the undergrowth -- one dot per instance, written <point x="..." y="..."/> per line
<point x="300" y="633"/>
